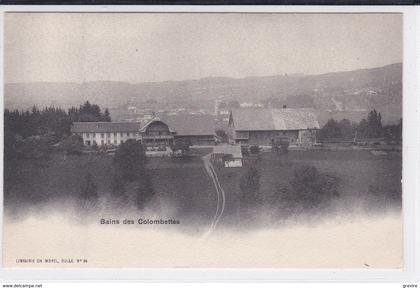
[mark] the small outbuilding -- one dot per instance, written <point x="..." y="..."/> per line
<point x="227" y="155"/>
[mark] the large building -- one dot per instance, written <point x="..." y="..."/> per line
<point x="154" y="133"/>
<point x="106" y="133"/>
<point x="198" y="129"/>
<point x="263" y="126"/>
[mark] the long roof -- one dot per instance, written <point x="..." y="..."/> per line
<point x="182" y="124"/>
<point x="105" y="127"/>
<point x="257" y="119"/>
<point x="190" y="125"/>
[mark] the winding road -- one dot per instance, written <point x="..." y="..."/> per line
<point x="221" y="198"/>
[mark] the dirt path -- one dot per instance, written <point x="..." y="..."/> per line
<point x="221" y="199"/>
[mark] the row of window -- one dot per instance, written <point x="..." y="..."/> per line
<point x="116" y="142"/>
<point x="108" y="135"/>
<point x="108" y="142"/>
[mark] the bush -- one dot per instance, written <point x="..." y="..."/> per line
<point x="73" y="145"/>
<point x="35" y="147"/>
<point x="311" y="188"/>
<point x="130" y="159"/>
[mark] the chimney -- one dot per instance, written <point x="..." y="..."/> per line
<point x="284" y="106"/>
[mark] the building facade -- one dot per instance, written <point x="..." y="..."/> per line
<point x="106" y="133"/>
<point x="262" y="127"/>
<point x="153" y="134"/>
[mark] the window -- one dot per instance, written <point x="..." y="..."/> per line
<point x="102" y="135"/>
<point x="87" y="143"/>
<point x="87" y="135"/>
<point x="102" y="142"/>
<point x="93" y="135"/>
<point x="115" y="141"/>
<point x="115" y="135"/>
<point x="122" y="134"/>
<point x="128" y="134"/>
<point x="109" y="141"/>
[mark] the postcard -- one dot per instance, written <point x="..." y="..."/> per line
<point x="203" y="140"/>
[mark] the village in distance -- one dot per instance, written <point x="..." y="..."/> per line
<point x="227" y="161"/>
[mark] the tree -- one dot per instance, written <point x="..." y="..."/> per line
<point x="145" y="191"/>
<point x="250" y="185"/>
<point x="118" y="189"/>
<point x="223" y="135"/>
<point x="362" y="129"/>
<point x="310" y="188"/>
<point x="331" y="130"/>
<point x="374" y="124"/>
<point x="346" y="129"/>
<point x="51" y="121"/>
<point x="88" y="192"/>
<point x="393" y="132"/>
<point x="106" y="117"/>
<point x="35" y="147"/>
<point x="130" y="159"/>
<point x="73" y="145"/>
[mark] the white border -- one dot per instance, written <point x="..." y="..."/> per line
<point x="411" y="159"/>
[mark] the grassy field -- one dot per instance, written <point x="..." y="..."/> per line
<point x="369" y="183"/>
<point x="184" y="190"/>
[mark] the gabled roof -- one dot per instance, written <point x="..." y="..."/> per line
<point x="156" y="119"/>
<point x="105" y="127"/>
<point x="257" y="119"/>
<point x="190" y="125"/>
<point x="235" y="151"/>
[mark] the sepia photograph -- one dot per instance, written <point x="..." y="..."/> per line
<point x="203" y="140"/>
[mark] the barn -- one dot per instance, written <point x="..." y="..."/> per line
<point x="255" y="126"/>
<point x="199" y="130"/>
<point x="156" y="133"/>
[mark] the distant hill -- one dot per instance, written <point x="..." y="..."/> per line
<point x="340" y="93"/>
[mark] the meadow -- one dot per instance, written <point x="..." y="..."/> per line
<point x="369" y="183"/>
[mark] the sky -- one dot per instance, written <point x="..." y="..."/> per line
<point x="154" y="47"/>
